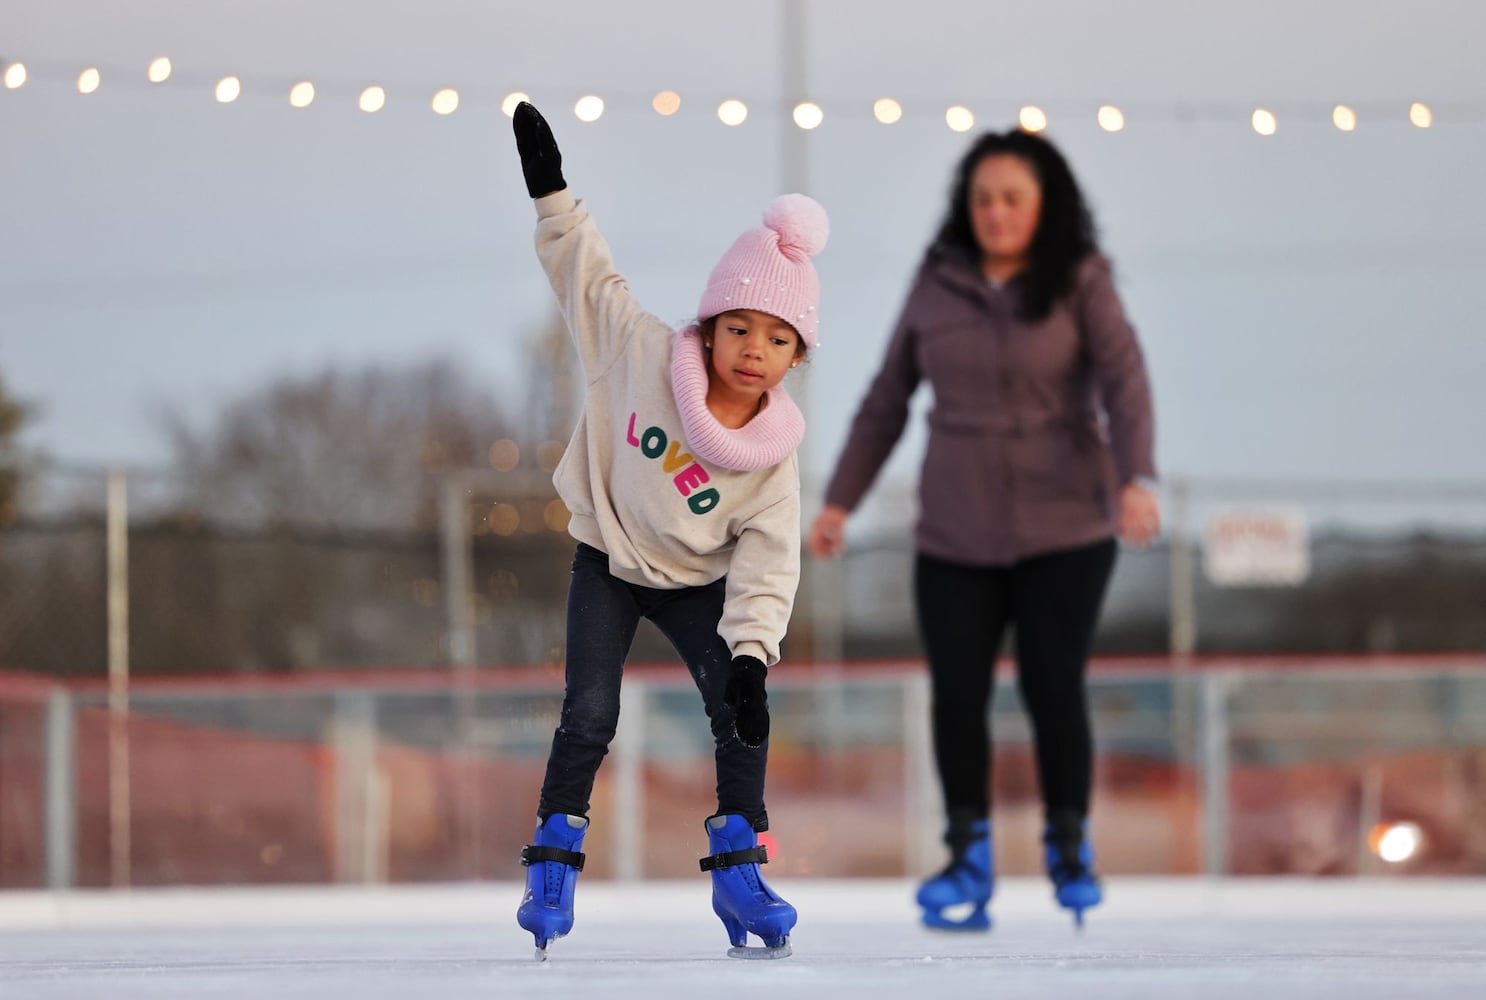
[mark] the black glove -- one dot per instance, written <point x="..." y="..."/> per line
<point x="745" y="696"/>
<point x="541" y="163"/>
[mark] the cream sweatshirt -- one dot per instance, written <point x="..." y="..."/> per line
<point x="666" y="516"/>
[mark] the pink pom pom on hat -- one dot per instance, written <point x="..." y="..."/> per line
<point x="768" y="268"/>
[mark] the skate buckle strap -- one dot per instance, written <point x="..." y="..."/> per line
<point x="728" y="859"/>
<point x="532" y="853"/>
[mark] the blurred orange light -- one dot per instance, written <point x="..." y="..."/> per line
<point x="505" y="519"/>
<point x="505" y="455"/>
<point x="1395" y="842"/>
<point x="556" y="516"/>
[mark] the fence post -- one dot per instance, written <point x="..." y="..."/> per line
<point x="1182" y="598"/>
<point x="920" y="783"/>
<point x="629" y="783"/>
<point x="353" y="741"/>
<point x="117" y="542"/>
<point x="1215" y="688"/>
<point x="1369" y="814"/>
<point x="454" y="530"/>
<point x="61" y="791"/>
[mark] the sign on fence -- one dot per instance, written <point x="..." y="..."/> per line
<point x="1257" y="546"/>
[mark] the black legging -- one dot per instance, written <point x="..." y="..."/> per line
<point x="1052" y="603"/>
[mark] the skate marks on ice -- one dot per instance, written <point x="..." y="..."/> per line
<point x="1153" y="939"/>
<point x="1153" y="960"/>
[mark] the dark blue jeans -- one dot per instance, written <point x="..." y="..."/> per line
<point x="603" y="614"/>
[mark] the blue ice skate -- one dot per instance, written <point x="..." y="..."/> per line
<point x="740" y="896"/>
<point x="552" y="865"/>
<point x="956" y="898"/>
<point x="1070" y="864"/>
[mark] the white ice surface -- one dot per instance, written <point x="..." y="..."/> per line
<point x="1156" y="939"/>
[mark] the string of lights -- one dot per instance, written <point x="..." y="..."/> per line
<point x="230" y="88"/>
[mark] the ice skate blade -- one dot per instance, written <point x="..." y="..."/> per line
<point x="971" y="925"/>
<point x="540" y="951"/>
<point x="961" y="917"/>
<point x="761" y="954"/>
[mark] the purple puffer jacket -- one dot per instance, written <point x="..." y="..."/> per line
<point x="1034" y="427"/>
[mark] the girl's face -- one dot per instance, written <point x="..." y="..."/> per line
<point x="1005" y="206"/>
<point x="752" y="351"/>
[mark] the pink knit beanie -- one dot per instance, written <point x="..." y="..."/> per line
<point x="768" y="268"/>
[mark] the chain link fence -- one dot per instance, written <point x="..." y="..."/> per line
<point x="1240" y="768"/>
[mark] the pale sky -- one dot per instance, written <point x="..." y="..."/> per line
<point x="1310" y="303"/>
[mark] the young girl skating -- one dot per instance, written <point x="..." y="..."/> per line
<point x="684" y="490"/>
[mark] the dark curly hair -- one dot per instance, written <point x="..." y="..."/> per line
<point x="1065" y="235"/>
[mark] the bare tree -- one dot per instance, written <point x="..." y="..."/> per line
<point x="337" y="450"/>
<point x="12" y="466"/>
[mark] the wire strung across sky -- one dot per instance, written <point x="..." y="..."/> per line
<point x="1264" y="117"/>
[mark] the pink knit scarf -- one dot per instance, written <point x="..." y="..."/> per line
<point x="766" y="440"/>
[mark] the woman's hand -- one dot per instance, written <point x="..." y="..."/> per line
<point x="1140" y="515"/>
<point x="828" y="533"/>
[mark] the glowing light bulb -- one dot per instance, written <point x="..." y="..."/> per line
<point x="372" y="100"/>
<point x="589" y="108"/>
<point x="887" y="110"/>
<point x="1032" y="118"/>
<point x="732" y="112"/>
<point x="808" y="115"/>
<point x="1111" y="118"/>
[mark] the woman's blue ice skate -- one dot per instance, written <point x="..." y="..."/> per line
<point x="956" y="898"/>
<point x="740" y="896"/>
<point x="552" y="863"/>
<point x="1070" y="864"/>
